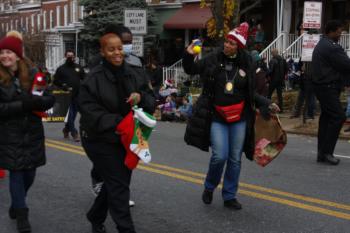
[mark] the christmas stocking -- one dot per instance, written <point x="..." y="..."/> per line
<point x="144" y="124"/>
<point x="38" y="88"/>
<point x="126" y="130"/>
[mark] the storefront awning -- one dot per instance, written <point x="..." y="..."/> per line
<point x="190" y="16"/>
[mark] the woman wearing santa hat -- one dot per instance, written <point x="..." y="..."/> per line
<point x="22" y="145"/>
<point x="224" y="115"/>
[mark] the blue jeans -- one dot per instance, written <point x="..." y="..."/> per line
<point x="73" y="110"/>
<point x="20" y="182"/>
<point x="227" y="144"/>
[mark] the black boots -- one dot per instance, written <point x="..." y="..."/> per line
<point x="12" y="213"/>
<point x="23" y="225"/>
<point x="233" y="204"/>
<point x="207" y="196"/>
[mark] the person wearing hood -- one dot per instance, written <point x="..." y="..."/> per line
<point x="68" y="77"/>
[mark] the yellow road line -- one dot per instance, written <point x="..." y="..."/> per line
<point x="256" y="195"/>
<point x="64" y="144"/>
<point x="79" y="150"/>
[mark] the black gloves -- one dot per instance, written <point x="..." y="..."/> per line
<point x="33" y="103"/>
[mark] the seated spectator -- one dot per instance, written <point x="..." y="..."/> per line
<point x="167" y="89"/>
<point x="184" y="111"/>
<point x="168" y="109"/>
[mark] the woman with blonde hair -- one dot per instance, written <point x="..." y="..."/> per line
<point x="22" y="145"/>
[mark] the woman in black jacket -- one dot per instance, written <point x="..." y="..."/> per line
<point x="104" y="100"/>
<point x="22" y="145"/>
<point x="225" y="114"/>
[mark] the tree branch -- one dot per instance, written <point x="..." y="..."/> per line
<point x="248" y="8"/>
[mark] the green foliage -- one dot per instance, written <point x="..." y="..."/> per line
<point x="103" y="12"/>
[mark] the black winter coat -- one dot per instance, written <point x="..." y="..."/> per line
<point x="102" y="101"/>
<point x="198" y="127"/>
<point x="278" y="68"/>
<point x="330" y="64"/>
<point x="70" y="75"/>
<point x="22" y="141"/>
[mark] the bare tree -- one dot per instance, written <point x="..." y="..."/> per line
<point x="34" y="47"/>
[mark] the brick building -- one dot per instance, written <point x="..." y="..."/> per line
<point x="59" y="19"/>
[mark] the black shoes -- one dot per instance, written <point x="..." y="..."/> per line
<point x="233" y="204"/>
<point x="207" y="196"/>
<point x="98" y="228"/>
<point x="327" y="158"/>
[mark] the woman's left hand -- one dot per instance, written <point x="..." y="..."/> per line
<point x="134" y="98"/>
<point x="274" y="108"/>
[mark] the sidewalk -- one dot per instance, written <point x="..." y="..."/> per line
<point x="296" y="126"/>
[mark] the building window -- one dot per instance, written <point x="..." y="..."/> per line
<point x="38" y="22"/>
<point x="44" y="20"/>
<point x="58" y="14"/>
<point x="51" y="19"/>
<point x="27" y="24"/>
<point x="65" y="13"/>
<point x="32" y="23"/>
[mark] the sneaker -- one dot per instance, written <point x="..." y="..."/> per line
<point x="207" y="196"/>
<point x="96" y="188"/>
<point x="131" y="203"/>
<point x="75" y="137"/>
<point x="233" y="204"/>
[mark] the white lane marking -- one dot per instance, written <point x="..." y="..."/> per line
<point x="342" y="156"/>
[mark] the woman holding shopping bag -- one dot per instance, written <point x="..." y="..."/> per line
<point x="224" y="115"/>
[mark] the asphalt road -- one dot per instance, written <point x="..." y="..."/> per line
<point x="293" y="194"/>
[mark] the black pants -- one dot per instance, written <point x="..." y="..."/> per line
<point x="306" y="94"/>
<point x="278" y="88"/>
<point x="108" y="159"/>
<point x="331" y="119"/>
<point x="96" y="178"/>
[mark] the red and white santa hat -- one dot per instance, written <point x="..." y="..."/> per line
<point x="239" y="34"/>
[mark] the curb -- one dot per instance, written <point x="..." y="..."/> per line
<point x="291" y="131"/>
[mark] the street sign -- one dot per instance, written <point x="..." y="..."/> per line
<point x="309" y="43"/>
<point x="137" y="46"/>
<point x="136" y="21"/>
<point x="312" y="15"/>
